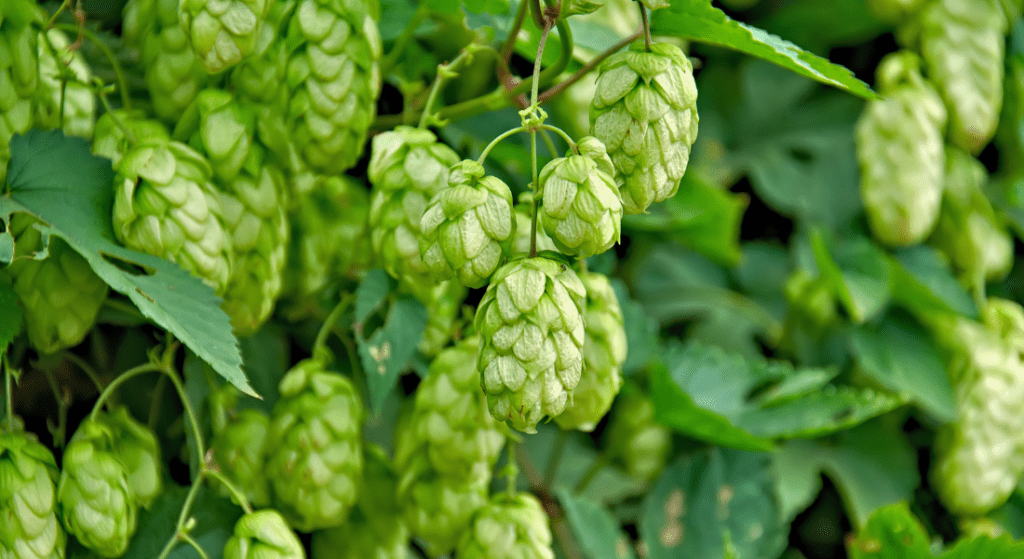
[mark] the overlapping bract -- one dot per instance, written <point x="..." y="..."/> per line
<point x="467" y="227"/>
<point x="633" y="440"/>
<point x="645" y="113"/>
<point x="438" y="508"/>
<point x="509" y="527"/>
<point x="28" y="506"/>
<point x="79" y="101"/>
<point x="532" y="328"/>
<point x="222" y="32"/>
<point x="901" y="153"/>
<point x="110" y="141"/>
<point x="240" y="452"/>
<point x="263" y="534"/>
<point x="138" y="451"/>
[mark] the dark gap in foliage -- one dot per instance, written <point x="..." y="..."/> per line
<point x="990" y="157"/>
<point x="408" y="383"/>
<point x="863" y="59"/>
<point x="390" y="101"/>
<point x="760" y="221"/>
<point x="819" y="530"/>
<point x="926" y="505"/>
<point x="179" y="471"/>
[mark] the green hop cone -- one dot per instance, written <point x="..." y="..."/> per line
<point x="315" y="444"/>
<point x="375" y="530"/>
<point x="263" y="534"/>
<point x="532" y="326"/>
<point x="901" y="154"/>
<point x="509" y="527"/>
<point x="333" y="79"/>
<point x="221" y="32"/>
<point x="109" y="139"/>
<point x="240" y="452"/>
<point x="408" y="166"/>
<point x="165" y="205"/>
<point x="94" y="493"/>
<point x="443" y="303"/>
<point x="980" y="456"/>
<point x="19" y="73"/>
<point x="581" y="211"/>
<point x="645" y="113"/>
<point x="893" y="11"/>
<point x="438" y="508"/>
<point x="523" y="213"/>
<point x="79" y="99"/>
<point x="61" y="294"/>
<point x="221" y="128"/>
<point x="139" y="452"/>
<point x="604" y="352"/>
<point x="467" y="227"/>
<point x="633" y="440"/>
<point x="28" y="505"/>
<point x="962" y="43"/>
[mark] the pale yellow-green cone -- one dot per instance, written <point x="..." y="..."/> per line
<point x="79" y="99"/>
<point x="139" y="452"/>
<point x="110" y="141"/>
<point x="222" y="32"/>
<point x="532" y="328"/>
<point x="901" y="153"/>
<point x="523" y="212"/>
<point x="467" y="227"/>
<point x="19" y="72"/>
<point x="240" y="453"/>
<point x="263" y="534"/>
<point x="894" y="11"/>
<point x="61" y="295"/>
<point x="604" y="352"/>
<point x="645" y="113"/>
<point x="28" y="501"/>
<point x="223" y="129"/>
<point x="979" y="458"/>
<point x="633" y="440"/>
<point x="509" y="527"/>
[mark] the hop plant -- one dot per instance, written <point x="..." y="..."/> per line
<point x="979" y="456"/>
<point x="893" y="11"/>
<point x="221" y="128"/>
<point x="408" y="166"/>
<point x="28" y="502"/>
<point x="333" y="79"/>
<point x="532" y="328"/>
<point x="137" y="449"/>
<point x="633" y="440"/>
<point x="900" y="149"/>
<point x="315" y="437"/>
<point x="222" y="33"/>
<point x="467" y="227"/>
<point x="1008" y="136"/>
<point x="61" y="294"/>
<point x="438" y="508"/>
<point x="110" y="141"/>
<point x="240" y="452"/>
<point x="510" y="526"/>
<point x="645" y="113"/>
<point x="19" y="73"/>
<point x="604" y="352"/>
<point x="523" y="213"/>
<point x="582" y="210"/>
<point x="263" y="534"/>
<point x="165" y="205"/>
<point x="79" y="101"/>
<point x="94" y="493"/>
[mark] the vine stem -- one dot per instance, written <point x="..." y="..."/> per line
<point x="86" y="368"/>
<point x="8" y="392"/>
<point x="537" y="191"/>
<point x="444" y="71"/>
<point x="243" y="502"/>
<point x="404" y="39"/>
<point x="122" y="79"/>
<point x="60" y="432"/>
<point x="595" y="469"/>
<point x="646" y="24"/>
<point x="588" y="67"/>
<point x="555" y="459"/>
<point x="320" y="344"/>
<point x="496" y="141"/>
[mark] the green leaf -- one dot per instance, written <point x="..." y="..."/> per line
<point x="390" y="348"/>
<point x="641" y="330"/>
<point x="892" y="532"/>
<point x="922" y="281"/>
<point x="371" y="292"/>
<point x="698" y="20"/>
<point x="705" y="499"/>
<point x="596" y="531"/>
<point x="265" y="355"/>
<point x="857" y="273"/>
<point x="817" y="25"/>
<point x="822" y="412"/>
<point x="75" y="197"/>
<point x="901" y="355"/>
<point x="215" y="522"/>
<point x="10" y="314"/>
<point x="984" y="547"/>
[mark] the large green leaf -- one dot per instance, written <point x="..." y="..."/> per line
<point x="984" y="547"/>
<point x="922" y="282"/>
<point x="892" y="532"/>
<point x="75" y="198"/>
<point x="641" y="330"/>
<point x="595" y="529"/>
<point x="389" y="349"/>
<point x="10" y="315"/>
<point x="819" y="413"/>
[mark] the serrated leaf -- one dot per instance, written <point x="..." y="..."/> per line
<point x="819" y="413"/>
<point x="10" y="315"/>
<point x="371" y="292"/>
<point x="215" y="522"/>
<point x="75" y="198"/>
<point x="922" y="281"/>
<point x="800" y="383"/>
<point x="892" y="532"/>
<point x="857" y="274"/>
<point x="389" y="349"/>
<point x="984" y="547"/>
<point x="595" y="529"/>
<point x="698" y="20"/>
<point x="709" y="498"/>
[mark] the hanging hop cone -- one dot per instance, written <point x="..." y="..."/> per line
<point x="444" y="304"/>
<point x="316" y="447"/>
<point x="333" y="79"/>
<point x="165" y="205"/>
<point x="645" y="113"/>
<point x="893" y="11"/>
<point x="240" y="452"/>
<point x="408" y="166"/>
<point x="61" y="295"/>
<point x="220" y="127"/>
<point x="523" y="213"/>
<point x="138" y="451"/>
<point x="437" y="507"/>
<point x="532" y="328"/>
<point x="263" y="534"/>
<point x="79" y="99"/>
<point x="19" y="73"/>
<point x="604" y="352"/>
<point x="467" y="227"/>
<point x="222" y="33"/>
<point x="980" y="456"/>
<point x="633" y="440"/>
<point x="509" y="527"/>
<point x="961" y="42"/>
<point x="581" y="210"/>
<point x="28" y="502"/>
<point x="110" y="141"/>
<point x="900" y="149"/>
<point x="375" y="529"/>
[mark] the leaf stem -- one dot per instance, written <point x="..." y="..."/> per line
<point x="320" y="344"/>
<point x="496" y="141"/>
<point x="647" y="25"/>
<point x="588" y="67"/>
<point x="195" y="545"/>
<point x="444" y="72"/>
<point x="60" y="432"/>
<point x="595" y="469"/>
<point x="121" y="379"/>
<point x="122" y="79"/>
<point x="404" y="39"/>
<point x="8" y="392"/>
<point x="235" y="492"/>
<point x="86" y="368"/>
<point x="555" y="459"/>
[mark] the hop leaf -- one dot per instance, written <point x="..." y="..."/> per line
<point x="634" y="441"/>
<point x="222" y="33"/>
<point x="508" y="527"/>
<point x="240" y="452"/>
<point x="28" y="499"/>
<point x="263" y="534"/>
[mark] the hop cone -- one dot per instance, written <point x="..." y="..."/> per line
<point x="604" y="352"/>
<point x="467" y="227"/>
<point x="962" y="43"/>
<point x="438" y="508"/>
<point x="375" y="530"/>
<point x="19" y="73"/>
<point x="315" y="437"/>
<point x="443" y="302"/>
<point x="531" y="322"/>
<point x="222" y="32"/>
<point x="333" y="79"/>
<point x="645" y="113"/>
<point x="450" y="422"/>
<point x="110" y="141"/>
<point x="95" y="495"/>
<point x="240" y="451"/>
<point x="138" y="451"/>
<point x="61" y="294"/>
<point x="79" y="99"/>
<point x="980" y="456"/>
<point x="509" y="527"/>
<point x="634" y="441"/>
<point x="221" y="128"/>
<point x="581" y="211"/>
<point x="900" y="148"/>
<point x="523" y="213"/>
<point x="893" y="11"/>
<point x="28" y="500"/>
<point x="969" y="232"/>
<point x="263" y="534"/>
<point x="165" y="205"/>
<point x="407" y="168"/>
